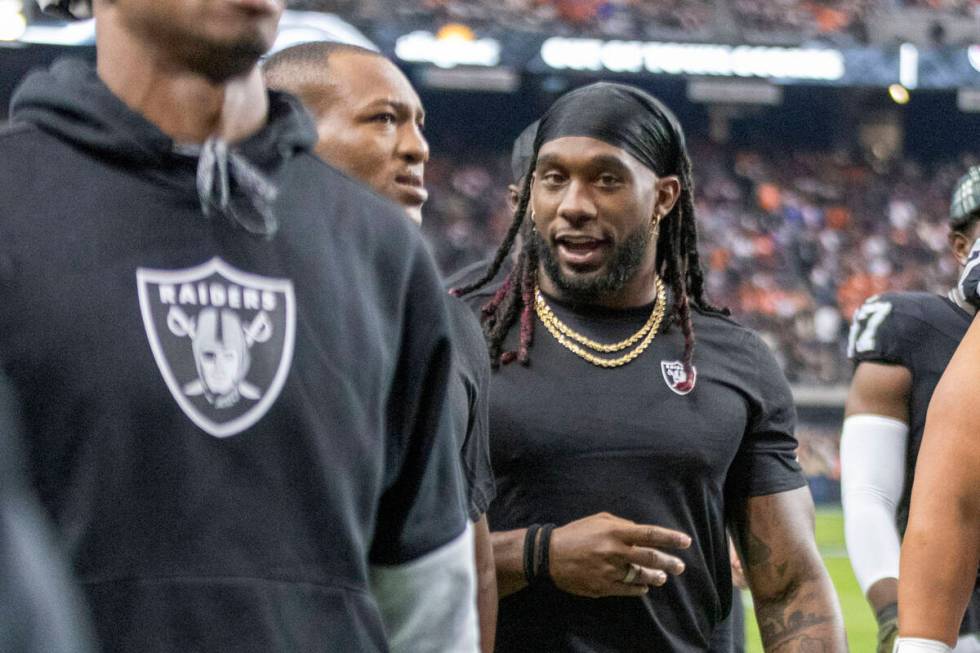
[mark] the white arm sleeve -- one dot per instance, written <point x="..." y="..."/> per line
<point x="429" y="604"/>
<point x="916" y="645"/>
<point x="872" y="452"/>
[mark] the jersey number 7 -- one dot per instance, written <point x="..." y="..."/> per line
<point x="865" y="326"/>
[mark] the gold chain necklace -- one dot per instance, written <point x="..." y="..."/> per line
<point x="570" y="339"/>
<point x="545" y="313"/>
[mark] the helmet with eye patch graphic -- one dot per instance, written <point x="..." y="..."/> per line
<point x="221" y="345"/>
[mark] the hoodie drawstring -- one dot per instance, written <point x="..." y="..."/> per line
<point x="217" y="168"/>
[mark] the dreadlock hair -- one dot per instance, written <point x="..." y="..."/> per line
<point x="678" y="264"/>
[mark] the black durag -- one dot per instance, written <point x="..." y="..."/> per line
<point x="622" y="116"/>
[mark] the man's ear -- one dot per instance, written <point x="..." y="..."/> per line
<point x="513" y="196"/>
<point x="960" y="243"/>
<point x="668" y="192"/>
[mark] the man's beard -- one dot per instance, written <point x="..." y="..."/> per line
<point x="193" y="47"/>
<point x="626" y="261"/>
<point x="221" y="62"/>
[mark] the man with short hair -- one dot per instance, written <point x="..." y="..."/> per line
<point x="900" y="343"/>
<point x="233" y="358"/>
<point x="368" y="117"/>
<point x="620" y="461"/>
<point x="369" y="121"/>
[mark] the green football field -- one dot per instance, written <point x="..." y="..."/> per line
<point x="858" y="619"/>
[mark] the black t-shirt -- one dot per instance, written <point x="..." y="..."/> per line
<point x="227" y="428"/>
<point x="919" y="331"/>
<point x="469" y="397"/>
<point x="570" y="440"/>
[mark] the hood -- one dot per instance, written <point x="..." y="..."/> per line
<point x="238" y="180"/>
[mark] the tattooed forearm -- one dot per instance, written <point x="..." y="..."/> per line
<point x="795" y="603"/>
<point x="787" y="629"/>
<point x="801" y="617"/>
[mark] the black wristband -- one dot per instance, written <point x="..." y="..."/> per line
<point x="542" y="572"/>
<point x="529" y="536"/>
<point x="887" y="613"/>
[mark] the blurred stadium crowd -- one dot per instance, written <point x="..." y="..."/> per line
<point x="837" y="21"/>
<point x="794" y="241"/>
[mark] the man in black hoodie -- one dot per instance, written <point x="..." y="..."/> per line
<point x="370" y="123"/>
<point x="233" y="359"/>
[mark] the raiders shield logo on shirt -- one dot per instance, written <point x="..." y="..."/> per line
<point x="222" y="338"/>
<point x="676" y="377"/>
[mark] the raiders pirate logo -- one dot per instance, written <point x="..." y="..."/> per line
<point x="676" y="377"/>
<point x="222" y="338"/>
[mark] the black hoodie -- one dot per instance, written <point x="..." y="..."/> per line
<point x="39" y="609"/>
<point x="228" y="424"/>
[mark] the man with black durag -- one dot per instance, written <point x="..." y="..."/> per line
<point x="621" y="457"/>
